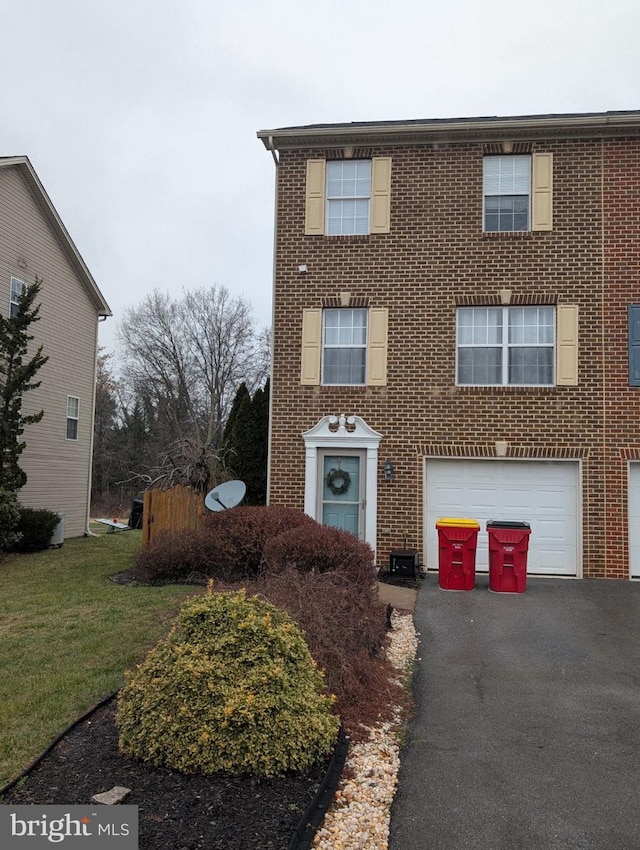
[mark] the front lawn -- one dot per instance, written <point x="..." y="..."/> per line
<point x="67" y="633"/>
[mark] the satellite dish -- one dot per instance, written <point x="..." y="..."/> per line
<point x="226" y="495"/>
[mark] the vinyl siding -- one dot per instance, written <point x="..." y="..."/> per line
<point x="58" y="469"/>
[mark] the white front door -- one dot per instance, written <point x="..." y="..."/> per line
<point x="634" y="519"/>
<point x="542" y="493"/>
<point x="341" y="491"/>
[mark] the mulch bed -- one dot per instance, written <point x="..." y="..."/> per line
<point x="175" y="811"/>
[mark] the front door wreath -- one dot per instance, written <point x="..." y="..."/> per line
<point x="338" y="481"/>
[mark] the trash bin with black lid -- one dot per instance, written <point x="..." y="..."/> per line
<point x="137" y="510"/>
<point x="457" y="543"/>
<point x="508" y="551"/>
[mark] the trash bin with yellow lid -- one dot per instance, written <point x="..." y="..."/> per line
<point x="457" y="542"/>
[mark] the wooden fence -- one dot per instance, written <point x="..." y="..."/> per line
<point x="171" y="510"/>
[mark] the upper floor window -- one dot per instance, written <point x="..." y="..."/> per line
<point x="344" y="346"/>
<point x="517" y="193"/>
<point x="507" y="193"/>
<point x="506" y="346"/>
<point x="348" y="197"/>
<point x="17" y="287"/>
<point x="73" y="415"/>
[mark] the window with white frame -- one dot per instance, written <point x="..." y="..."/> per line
<point x="344" y="346"/>
<point x="348" y="197"/>
<point x="17" y="286"/>
<point x="73" y="414"/>
<point x="507" y="193"/>
<point x="508" y="346"/>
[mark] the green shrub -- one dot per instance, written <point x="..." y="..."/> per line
<point x="36" y="526"/>
<point x="320" y="549"/>
<point x="9" y="519"/>
<point x="232" y="688"/>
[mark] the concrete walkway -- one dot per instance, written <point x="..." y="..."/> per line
<point x="527" y="731"/>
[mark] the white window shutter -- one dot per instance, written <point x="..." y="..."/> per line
<point x="381" y="194"/>
<point x="314" y="197"/>
<point x="311" y="347"/>
<point x="567" y="346"/>
<point x="542" y="195"/>
<point x="377" y="347"/>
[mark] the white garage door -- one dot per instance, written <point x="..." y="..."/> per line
<point x="634" y="519"/>
<point x="542" y="493"/>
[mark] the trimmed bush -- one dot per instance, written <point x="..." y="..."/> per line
<point x="180" y="556"/>
<point x="232" y="688"/>
<point x="246" y="531"/>
<point x="9" y="519"/>
<point x="228" y="546"/>
<point x="345" y="628"/>
<point x="36" y="526"/>
<point x="320" y="549"/>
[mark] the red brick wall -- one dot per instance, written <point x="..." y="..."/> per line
<point x="434" y="258"/>
<point x="621" y="194"/>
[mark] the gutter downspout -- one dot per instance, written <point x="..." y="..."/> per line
<point x="87" y="530"/>
<point x="273" y="315"/>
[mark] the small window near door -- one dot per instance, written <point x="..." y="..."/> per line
<point x="73" y="413"/>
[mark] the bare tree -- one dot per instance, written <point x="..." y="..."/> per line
<point x="188" y="356"/>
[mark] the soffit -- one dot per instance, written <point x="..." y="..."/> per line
<point x="457" y="130"/>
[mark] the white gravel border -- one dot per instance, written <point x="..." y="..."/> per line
<point x="358" y="818"/>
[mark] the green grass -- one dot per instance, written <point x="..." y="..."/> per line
<point x="67" y="634"/>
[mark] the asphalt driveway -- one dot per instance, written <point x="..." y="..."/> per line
<point x="527" y="729"/>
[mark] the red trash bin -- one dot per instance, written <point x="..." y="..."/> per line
<point x="457" y="542"/>
<point x="508" y="548"/>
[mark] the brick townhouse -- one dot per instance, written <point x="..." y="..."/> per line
<point x="457" y="332"/>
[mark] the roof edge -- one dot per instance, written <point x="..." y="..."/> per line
<point x="23" y="164"/>
<point x="453" y="129"/>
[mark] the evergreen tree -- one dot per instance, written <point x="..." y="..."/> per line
<point x="246" y="436"/>
<point x="16" y="378"/>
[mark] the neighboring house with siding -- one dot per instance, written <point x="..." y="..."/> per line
<point x="467" y="293"/>
<point x="35" y="244"/>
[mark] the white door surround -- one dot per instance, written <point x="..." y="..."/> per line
<point x="342" y="433"/>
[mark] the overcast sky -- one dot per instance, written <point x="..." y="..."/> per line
<point x="140" y="116"/>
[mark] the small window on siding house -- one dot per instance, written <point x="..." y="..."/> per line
<point x="73" y="412"/>
<point x="17" y="286"/>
